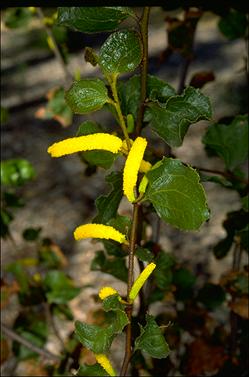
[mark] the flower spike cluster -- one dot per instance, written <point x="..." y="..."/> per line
<point x="98" y="231"/>
<point x="102" y="141"/>
<point x="106" y="292"/>
<point x="105" y="363"/>
<point x="132" y="166"/>
<point x="141" y="280"/>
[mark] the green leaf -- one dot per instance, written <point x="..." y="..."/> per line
<point x="163" y="274"/>
<point x="92" y="19"/>
<point x="107" y="205"/>
<point x="103" y="159"/>
<point x="211" y="295"/>
<point x="176" y="194"/>
<point x="222" y="247"/>
<point x="91" y="370"/>
<point x="31" y="234"/>
<point x="20" y="274"/>
<point x="57" y="109"/>
<point x="113" y="248"/>
<point x="17" y="17"/>
<point x="172" y="119"/>
<point x="120" y="319"/>
<point x="230" y="142"/>
<point x="85" y="96"/>
<point x="233" y="25"/>
<point x="151" y="340"/>
<point x="121" y="52"/>
<point x="93" y="337"/>
<point x="112" y="265"/>
<point x="121" y="223"/>
<point x="16" y="172"/>
<point x="129" y="92"/>
<point x="145" y="255"/>
<point x="60" y="288"/>
<point x="31" y="327"/>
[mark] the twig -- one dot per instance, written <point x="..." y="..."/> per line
<point x="226" y="174"/>
<point x="128" y="343"/>
<point x="56" y="51"/>
<point x="14" y="336"/>
<point x="144" y="67"/>
<point x="116" y="103"/>
<point x="50" y="319"/>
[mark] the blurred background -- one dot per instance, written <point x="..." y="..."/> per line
<point x="60" y="194"/>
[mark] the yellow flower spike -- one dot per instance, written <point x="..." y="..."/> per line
<point x="103" y="141"/>
<point x="144" y="166"/>
<point x="132" y="165"/>
<point x="105" y="363"/>
<point x="143" y="185"/>
<point x="99" y="231"/>
<point x="106" y="292"/>
<point x="141" y="280"/>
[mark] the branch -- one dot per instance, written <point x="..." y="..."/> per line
<point x="14" y="336"/>
<point x="129" y="307"/>
<point x="144" y="67"/>
<point x="56" y="51"/>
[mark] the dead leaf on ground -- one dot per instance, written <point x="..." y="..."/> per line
<point x="240" y="306"/>
<point x="204" y="358"/>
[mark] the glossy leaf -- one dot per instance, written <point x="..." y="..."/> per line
<point x="129" y="92"/>
<point x="92" y="19"/>
<point x="172" y="119"/>
<point x="93" y="337"/>
<point x="176" y="194"/>
<point x="16" y="172"/>
<point x="87" y="95"/>
<point x="120" y="319"/>
<point x="151" y="340"/>
<point x="120" y="53"/>
<point x="230" y="142"/>
<point x="91" y="370"/>
<point x="100" y="158"/>
<point x="107" y="205"/>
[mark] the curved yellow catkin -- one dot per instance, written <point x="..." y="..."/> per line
<point x="141" y="280"/>
<point x="98" y="231"/>
<point x="144" y="166"/>
<point x="132" y="165"/>
<point x="105" y="363"/>
<point x="106" y="292"/>
<point x="103" y="141"/>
